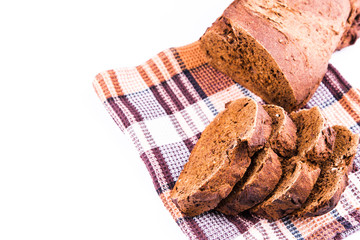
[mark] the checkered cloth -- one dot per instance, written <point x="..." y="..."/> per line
<point x="163" y="106"/>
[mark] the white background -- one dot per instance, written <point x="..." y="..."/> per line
<point x="66" y="170"/>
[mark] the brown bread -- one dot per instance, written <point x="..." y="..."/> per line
<point x="334" y="175"/>
<point x="259" y="181"/>
<point x="280" y="49"/>
<point x="283" y="137"/>
<point x="315" y="138"/>
<point x="221" y="156"/>
<point x="292" y="191"/>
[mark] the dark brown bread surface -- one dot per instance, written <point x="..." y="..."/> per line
<point x="221" y="156"/>
<point x="279" y="49"/>
<point x="259" y="181"/>
<point x="283" y="137"/>
<point x="315" y="138"/>
<point x="334" y="175"/>
<point x="291" y="192"/>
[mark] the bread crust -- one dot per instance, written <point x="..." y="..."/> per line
<point x="221" y="156"/>
<point x="333" y="178"/>
<point x="290" y="41"/>
<point x="283" y="137"/>
<point x="315" y="138"/>
<point x="253" y="188"/>
<point x="290" y="193"/>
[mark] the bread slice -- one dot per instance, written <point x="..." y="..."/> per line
<point x="221" y="156"/>
<point x="334" y="175"/>
<point x="315" y="138"/>
<point x="283" y="137"/>
<point x="278" y="49"/>
<point x="292" y="191"/>
<point x="259" y="181"/>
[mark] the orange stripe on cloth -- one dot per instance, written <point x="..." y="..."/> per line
<point x="115" y="83"/>
<point x="145" y="76"/>
<point x="170" y="206"/>
<point x="155" y="69"/>
<point x="167" y="63"/>
<point x="187" y="55"/>
<point x="101" y="81"/>
<point x="351" y="103"/>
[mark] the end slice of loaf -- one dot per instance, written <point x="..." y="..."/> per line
<point x="283" y="137"/>
<point x="259" y="181"/>
<point x="334" y="175"/>
<point x="221" y="156"/>
<point x="315" y="138"/>
<point x="292" y="191"/>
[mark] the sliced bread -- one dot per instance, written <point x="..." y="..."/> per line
<point x="315" y="138"/>
<point x="259" y="181"/>
<point x="292" y="191"/>
<point x="221" y="156"/>
<point x="334" y="175"/>
<point x="283" y="137"/>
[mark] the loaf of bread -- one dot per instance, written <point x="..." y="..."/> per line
<point x="233" y="167"/>
<point x="280" y="49"/>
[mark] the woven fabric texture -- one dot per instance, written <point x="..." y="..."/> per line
<point x="163" y="105"/>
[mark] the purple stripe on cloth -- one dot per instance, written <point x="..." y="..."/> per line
<point x="175" y="100"/>
<point x="345" y="86"/>
<point x="337" y="88"/>
<point x="183" y="89"/>
<point x="164" y="169"/>
<point x="178" y="58"/>
<point x="151" y="170"/>
<point x="196" y="229"/>
<point x="190" y="142"/>
<point x="131" y="108"/>
<point x="334" y="91"/>
<point x="239" y="224"/>
<point x="161" y="100"/>
<point x="195" y="84"/>
<point x="119" y="112"/>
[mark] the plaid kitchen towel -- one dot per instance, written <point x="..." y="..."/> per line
<point x="163" y="106"/>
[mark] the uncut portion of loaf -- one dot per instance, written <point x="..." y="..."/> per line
<point x="278" y="49"/>
<point x="292" y="191"/>
<point x="221" y="156"/>
<point x="334" y="175"/>
<point x="283" y="137"/>
<point x="259" y="181"/>
<point x="315" y="137"/>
